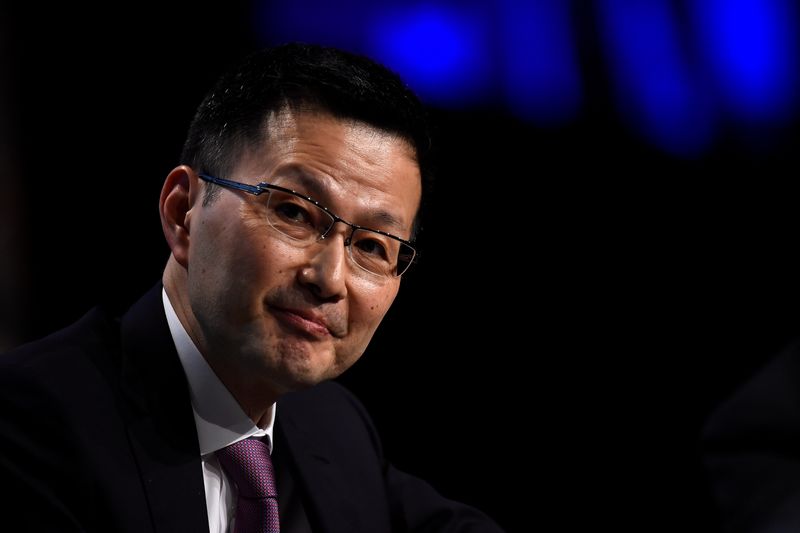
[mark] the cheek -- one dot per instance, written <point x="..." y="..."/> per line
<point x="370" y="310"/>
<point x="258" y="258"/>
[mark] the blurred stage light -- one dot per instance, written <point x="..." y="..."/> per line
<point x="656" y="87"/>
<point x="750" y="50"/>
<point x="456" y="54"/>
<point x="442" y="52"/>
<point x="681" y="69"/>
<point x="540" y="75"/>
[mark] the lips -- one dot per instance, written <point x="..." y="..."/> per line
<point x="311" y="321"/>
<point x="305" y="314"/>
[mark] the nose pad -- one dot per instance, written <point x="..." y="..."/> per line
<point x="347" y="240"/>
<point x="326" y="269"/>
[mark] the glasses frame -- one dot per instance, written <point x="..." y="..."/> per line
<point x="264" y="187"/>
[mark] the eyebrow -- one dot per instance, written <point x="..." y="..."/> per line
<point x="307" y="181"/>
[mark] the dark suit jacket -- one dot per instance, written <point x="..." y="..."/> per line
<point x="751" y="450"/>
<point x="97" y="434"/>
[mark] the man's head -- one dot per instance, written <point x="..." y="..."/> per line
<point x="276" y="297"/>
<point x="301" y="77"/>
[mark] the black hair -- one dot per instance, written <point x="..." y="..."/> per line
<point x="303" y="76"/>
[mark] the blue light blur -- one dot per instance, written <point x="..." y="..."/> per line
<point x="750" y="49"/>
<point x="540" y="71"/>
<point x="677" y="80"/>
<point x="455" y="54"/>
<point x="655" y="86"/>
<point x="441" y="52"/>
<point x="341" y="23"/>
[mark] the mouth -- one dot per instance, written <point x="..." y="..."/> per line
<point x="305" y="322"/>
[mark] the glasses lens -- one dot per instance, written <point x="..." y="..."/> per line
<point x="380" y="254"/>
<point x="297" y="217"/>
<point x="305" y="221"/>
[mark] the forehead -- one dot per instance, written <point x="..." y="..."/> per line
<point x="312" y="132"/>
<point x="347" y="162"/>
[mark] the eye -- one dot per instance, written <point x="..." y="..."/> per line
<point x="291" y="211"/>
<point x="373" y="248"/>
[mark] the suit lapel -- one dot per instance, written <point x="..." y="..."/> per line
<point x="161" y="425"/>
<point x="317" y="474"/>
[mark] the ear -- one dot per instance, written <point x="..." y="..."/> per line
<point x="180" y="193"/>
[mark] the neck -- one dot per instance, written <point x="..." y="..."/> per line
<point x="255" y="396"/>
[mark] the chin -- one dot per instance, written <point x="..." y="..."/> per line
<point x="306" y="372"/>
<point x="298" y="381"/>
<point x="301" y="369"/>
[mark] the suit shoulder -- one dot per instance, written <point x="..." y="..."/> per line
<point x="327" y="397"/>
<point x="328" y="408"/>
<point x="49" y="362"/>
<point x="765" y="406"/>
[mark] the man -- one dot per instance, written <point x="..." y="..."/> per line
<point x="290" y="222"/>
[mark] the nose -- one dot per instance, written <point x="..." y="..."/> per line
<point x="325" y="271"/>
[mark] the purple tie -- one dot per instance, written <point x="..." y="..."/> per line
<point x="247" y="462"/>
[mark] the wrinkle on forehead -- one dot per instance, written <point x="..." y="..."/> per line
<point x="283" y="128"/>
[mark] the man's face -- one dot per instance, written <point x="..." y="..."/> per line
<point x="269" y="311"/>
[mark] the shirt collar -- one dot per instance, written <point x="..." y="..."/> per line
<point x="218" y="417"/>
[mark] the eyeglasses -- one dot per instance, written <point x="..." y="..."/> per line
<point x="305" y="221"/>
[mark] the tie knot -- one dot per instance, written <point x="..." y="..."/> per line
<point x="248" y="463"/>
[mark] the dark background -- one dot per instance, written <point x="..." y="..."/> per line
<point x="583" y="302"/>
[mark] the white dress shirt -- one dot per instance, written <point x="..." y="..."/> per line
<point x="219" y="419"/>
